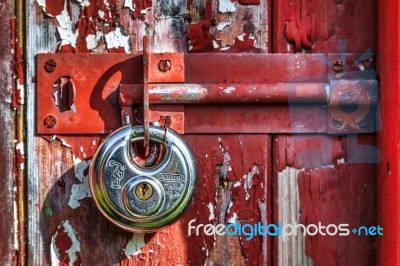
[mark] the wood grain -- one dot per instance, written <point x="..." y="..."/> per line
<point x="8" y="219"/>
<point x="320" y="26"/>
<point x="320" y="184"/>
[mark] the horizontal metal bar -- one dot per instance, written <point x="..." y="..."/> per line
<point x="238" y="93"/>
<point x="246" y="93"/>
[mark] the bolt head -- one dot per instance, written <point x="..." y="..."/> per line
<point x="164" y="65"/>
<point x="50" y="65"/>
<point x="50" y="121"/>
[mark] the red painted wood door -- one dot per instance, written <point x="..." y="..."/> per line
<point x="263" y="176"/>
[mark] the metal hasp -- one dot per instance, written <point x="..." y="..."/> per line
<point x="213" y="93"/>
<point x="141" y="198"/>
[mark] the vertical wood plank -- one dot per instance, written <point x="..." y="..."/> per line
<point x="321" y="26"/>
<point x="389" y="137"/>
<point x="315" y="182"/>
<point x="7" y="208"/>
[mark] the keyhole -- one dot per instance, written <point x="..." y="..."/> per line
<point x="144" y="191"/>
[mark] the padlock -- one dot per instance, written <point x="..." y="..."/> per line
<point x="143" y="197"/>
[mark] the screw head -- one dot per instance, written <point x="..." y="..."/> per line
<point x="337" y="66"/>
<point x="49" y="121"/>
<point x="50" y="65"/>
<point x="336" y="123"/>
<point x="164" y="65"/>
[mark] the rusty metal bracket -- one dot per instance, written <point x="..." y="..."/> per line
<point x="201" y="93"/>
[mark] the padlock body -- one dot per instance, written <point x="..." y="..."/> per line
<point x="141" y="198"/>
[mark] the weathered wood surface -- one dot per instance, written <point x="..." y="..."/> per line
<point x="54" y="172"/>
<point x="8" y="219"/>
<point x="324" y="26"/>
<point x="389" y="135"/>
<point x="325" y="179"/>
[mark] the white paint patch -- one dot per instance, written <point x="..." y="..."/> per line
<point x="237" y="184"/>
<point x="215" y="44"/>
<point x="222" y="25"/>
<point x="233" y="218"/>
<point x="92" y="40"/>
<point x="341" y="160"/>
<point x="118" y="38"/>
<point x="20" y="88"/>
<point x="134" y="245"/>
<point x="16" y="221"/>
<point x="21" y="149"/>
<point x="248" y="180"/>
<point x="226" y="6"/>
<point x="64" y="143"/>
<point x="72" y="251"/>
<point x="84" y="3"/>
<point x="229" y="207"/>
<point x="81" y="190"/>
<point x="101" y="14"/>
<point x="211" y="209"/>
<point x="229" y="90"/>
<point x="129" y="4"/>
<point x="66" y="29"/>
<point x="144" y="11"/>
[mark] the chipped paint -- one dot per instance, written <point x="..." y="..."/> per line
<point x="229" y="90"/>
<point x="223" y="25"/>
<point x="237" y="184"/>
<point x="20" y="155"/>
<point x="211" y="209"/>
<point x="233" y="218"/>
<point x="118" y="39"/>
<point x="341" y="160"/>
<point x="92" y="40"/>
<point x="134" y="245"/>
<point x="129" y="4"/>
<point x="66" y="29"/>
<point x="65" y="247"/>
<point x="248" y="180"/>
<point x="226" y="6"/>
<point x="16" y="220"/>
<point x="81" y="190"/>
<point x="215" y="44"/>
<point x="20" y="92"/>
<point x="83" y="3"/>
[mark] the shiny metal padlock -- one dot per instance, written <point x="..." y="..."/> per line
<point x="141" y="198"/>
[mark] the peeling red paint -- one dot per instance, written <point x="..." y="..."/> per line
<point x="65" y="247"/>
<point x="139" y="7"/>
<point x="83" y="147"/>
<point x="54" y="7"/>
<point x="327" y="181"/>
<point x="18" y="65"/>
<point x="323" y="26"/>
<point x="244" y="43"/>
<point x="200" y="38"/>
